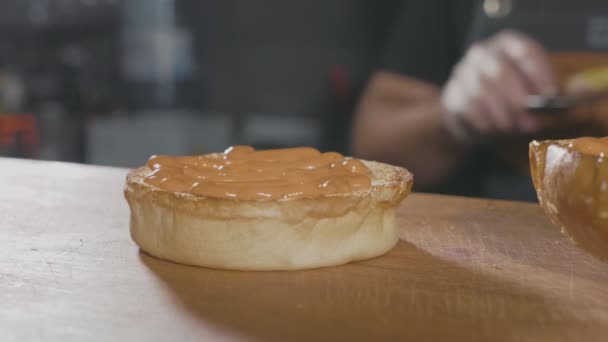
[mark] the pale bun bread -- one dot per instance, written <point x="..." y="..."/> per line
<point x="285" y="234"/>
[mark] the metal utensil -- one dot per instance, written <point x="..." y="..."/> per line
<point x="543" y="104"/>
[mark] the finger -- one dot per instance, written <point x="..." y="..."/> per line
<point x="468" y="79"/>
<point x="489" y="67"/>
<point x="464" y="113"/>
<point x="496" y="106"/>
<point x="531" y="60"/>
<point x="512" y="86"/>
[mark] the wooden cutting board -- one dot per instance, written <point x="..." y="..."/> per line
<point x="465" y="270"/>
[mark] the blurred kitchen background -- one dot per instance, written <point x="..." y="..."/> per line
<point x="112" y="81"/>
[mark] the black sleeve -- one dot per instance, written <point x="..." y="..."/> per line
<point x="427" y="38"/>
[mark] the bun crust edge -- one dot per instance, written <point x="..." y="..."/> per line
<point x="284" y="234"/>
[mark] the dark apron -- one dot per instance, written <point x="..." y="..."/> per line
<point x="576" y="35"/>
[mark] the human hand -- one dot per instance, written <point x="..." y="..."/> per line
<point x="487" y="91"/>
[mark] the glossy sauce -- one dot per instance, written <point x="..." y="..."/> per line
<point x="244" y="173"/>
<point x="594" y="146"/>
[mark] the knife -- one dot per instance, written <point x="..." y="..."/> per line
<point x="559" y="104"/>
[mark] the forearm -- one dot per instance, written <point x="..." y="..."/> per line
<point x="408" y="133"/>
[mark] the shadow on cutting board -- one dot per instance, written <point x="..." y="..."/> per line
<point x="406" y="294"/>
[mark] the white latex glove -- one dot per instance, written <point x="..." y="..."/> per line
<point x="487" y="91"/>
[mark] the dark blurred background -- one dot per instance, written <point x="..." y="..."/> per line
<point x="112" y="81"/>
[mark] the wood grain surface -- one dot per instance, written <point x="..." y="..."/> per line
<point x="465" y="270"/>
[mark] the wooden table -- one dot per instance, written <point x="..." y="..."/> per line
<point x="466" y="270"/>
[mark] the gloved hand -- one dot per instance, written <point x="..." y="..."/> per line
<point x="487" y="91"/>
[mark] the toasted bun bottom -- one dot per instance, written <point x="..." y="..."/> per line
<point x="262" y="243"/>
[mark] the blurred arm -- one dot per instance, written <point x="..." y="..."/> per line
<point x="400" y="121"/>
<point x="413" y="123"/>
